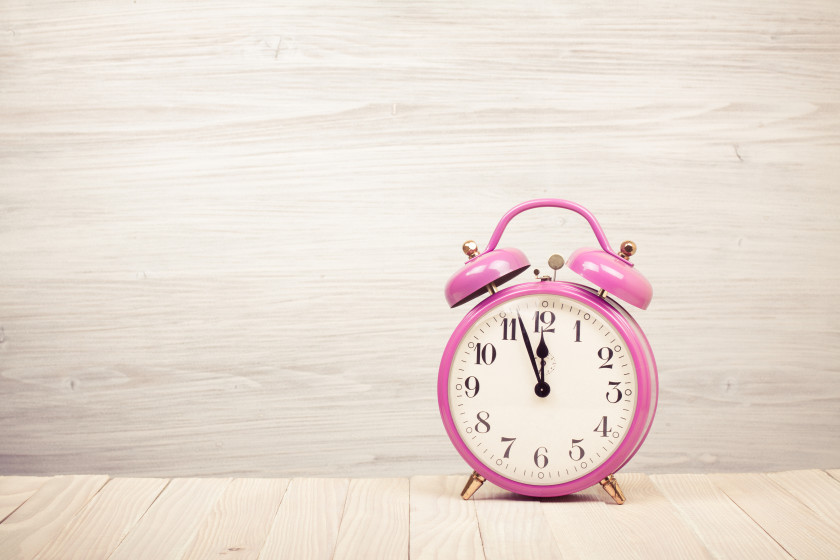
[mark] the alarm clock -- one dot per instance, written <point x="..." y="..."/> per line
<point x="548" y="387"/>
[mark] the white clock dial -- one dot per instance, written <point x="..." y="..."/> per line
<point x="553" y="419"/>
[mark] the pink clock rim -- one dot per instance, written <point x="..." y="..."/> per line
<point x="646" y="394"/>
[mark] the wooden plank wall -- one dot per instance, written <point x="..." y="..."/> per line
<point x="225" y="227"/>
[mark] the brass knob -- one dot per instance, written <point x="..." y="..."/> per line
<point x="628" y="249"/>
<point x="470" y="249"/>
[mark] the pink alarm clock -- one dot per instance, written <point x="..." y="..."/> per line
<point x="548" y="387"/>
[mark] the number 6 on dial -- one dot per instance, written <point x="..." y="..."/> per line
<point x="548" y="387"/>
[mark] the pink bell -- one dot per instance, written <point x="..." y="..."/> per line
<point x="613" y="274"/>
<point x="493" y="267"/>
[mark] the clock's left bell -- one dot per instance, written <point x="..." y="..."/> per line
<point x="483" y="272"/>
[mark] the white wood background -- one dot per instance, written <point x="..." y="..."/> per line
<point x="225" y="226"/>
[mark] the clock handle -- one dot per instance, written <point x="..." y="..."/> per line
<point x="556" y="203"/>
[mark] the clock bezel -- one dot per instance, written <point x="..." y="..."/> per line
<point x="646" y="389"/>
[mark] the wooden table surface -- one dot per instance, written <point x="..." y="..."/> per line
<point x="794" y="514"/>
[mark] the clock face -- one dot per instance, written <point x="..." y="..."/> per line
<point x="542" y="389"/>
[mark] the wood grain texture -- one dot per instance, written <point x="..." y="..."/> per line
<point x="102" y="524"/>
<point x="15" y="490"/>
<point x="224" y="230"/>
<point x="168" y="528"/>
<point x="240" y="521"/>
<point x="800" y="530"/>
<point x="720" y="524"/>
<point x="308" y="519"/>
<point x="37" y="522"/>
<point x="512" y="527"/>
<point x="816" y="489"/>
<point x="442" y="524"/>
<point x="593" y="526"/>
<point x="692" y="519"/>
<point x="374" y="523"/>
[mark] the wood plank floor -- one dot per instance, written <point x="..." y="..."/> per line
<point x="791" y="514"/>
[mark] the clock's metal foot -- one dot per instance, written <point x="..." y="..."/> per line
<point x="610" y="484"/>
<point x="473" y="484"/>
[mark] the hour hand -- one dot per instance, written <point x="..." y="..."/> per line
<point x="542" y="354"/>
<point x="541" y="388"/>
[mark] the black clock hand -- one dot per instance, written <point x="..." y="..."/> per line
<point x="528" y="347"/>
<point x="541" y="388"/>
<point x="542" y="354"/>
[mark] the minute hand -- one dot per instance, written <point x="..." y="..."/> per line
<point x="530" y="350"/>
